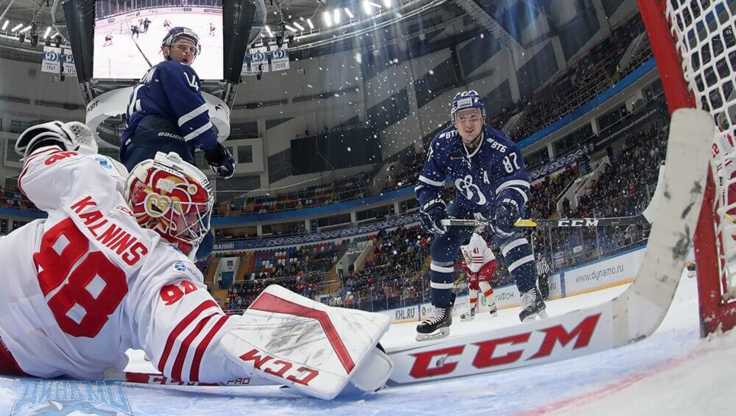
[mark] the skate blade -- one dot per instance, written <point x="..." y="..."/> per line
<point x="539" y="315"/>
<point x="440" y="333"/>
<point x="466" y="318"/>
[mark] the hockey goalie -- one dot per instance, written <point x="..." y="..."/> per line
<point x="108" y="270"/>
<point x="479" y="266"/>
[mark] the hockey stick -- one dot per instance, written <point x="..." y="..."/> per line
<point x="158" y="379"/>
<point x="561" y="223"/>
<point x="135" y="42"/>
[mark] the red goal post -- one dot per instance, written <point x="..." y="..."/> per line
<point x="688" y="41"/>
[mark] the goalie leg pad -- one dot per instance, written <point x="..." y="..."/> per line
<point x="314" y="348"/>
<point x="250" y="361"/>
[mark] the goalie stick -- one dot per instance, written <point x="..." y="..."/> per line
<point x="630" y="317"/>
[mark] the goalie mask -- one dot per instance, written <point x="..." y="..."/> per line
<point x="171" y="197"/>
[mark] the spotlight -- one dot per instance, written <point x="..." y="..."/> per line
<point x="5" y="25"/>
<point x="16" y="27"/>
<point x="268" y="29"/>
<point x="327" y="18"/>
<point x="298" y="26"/>
<point x="311" y="25"/>
<point x="367" y="9"/>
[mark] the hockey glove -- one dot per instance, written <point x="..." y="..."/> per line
<point x="505" y="216"/>
<point x="431" y="214"/>
<point x="221" y="161"/>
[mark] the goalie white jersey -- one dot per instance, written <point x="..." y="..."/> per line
<point x="87" y="283"/>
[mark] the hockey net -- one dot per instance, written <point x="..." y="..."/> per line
<point x="695" y="48"/>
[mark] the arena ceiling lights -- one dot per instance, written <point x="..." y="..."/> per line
<point x="342" y="22"/>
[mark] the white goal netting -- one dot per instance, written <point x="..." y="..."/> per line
<point x="704" y="34"/>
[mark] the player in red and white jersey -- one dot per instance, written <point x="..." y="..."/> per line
<point x="479" y="266"/>
<point x="93" y="282"/>
<point x="108" y="271"/>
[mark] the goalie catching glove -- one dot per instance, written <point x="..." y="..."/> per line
<point x="68" y="136"/>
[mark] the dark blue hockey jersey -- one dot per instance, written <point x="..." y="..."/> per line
<point x="170" y="90"/>
<point x="494" y="168"/>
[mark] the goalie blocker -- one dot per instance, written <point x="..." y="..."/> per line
<point x="316" y="349"/>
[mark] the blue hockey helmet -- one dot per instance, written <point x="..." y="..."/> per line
<point x="464" y="100"/>
<point x="180" y="31"/>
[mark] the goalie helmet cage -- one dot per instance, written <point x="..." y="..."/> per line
<point x="693" y="50"/>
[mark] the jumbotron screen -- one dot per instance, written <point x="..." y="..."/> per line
<point x="127" y="41"/>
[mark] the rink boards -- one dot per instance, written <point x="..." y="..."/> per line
<point x="609" y="272"/>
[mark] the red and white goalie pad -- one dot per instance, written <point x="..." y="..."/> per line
<point x="314" y="348"/>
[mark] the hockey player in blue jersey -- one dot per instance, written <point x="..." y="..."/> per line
<point x="167" y="113"/>
<point x="491" y="182"/>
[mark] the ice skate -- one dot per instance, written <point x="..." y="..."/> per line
<point x="493" y="309"/>
<point x="437" y="325"/>
<point x="469" y="315"/>
<point x="533" y="306"/>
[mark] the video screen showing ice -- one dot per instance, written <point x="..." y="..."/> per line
<point x="128" y="37"/>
